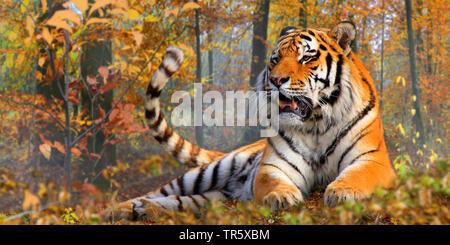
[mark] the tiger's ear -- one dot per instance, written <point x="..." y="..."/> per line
<point x="344" y="33"/>
<point x="287" y="29"/>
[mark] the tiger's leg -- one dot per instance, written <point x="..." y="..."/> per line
<point x="144" y="207"/>
<point x="275" y="189"/>
<point x="369" y="169"/>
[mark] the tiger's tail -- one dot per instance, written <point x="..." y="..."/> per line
<point x="183" y="150"/>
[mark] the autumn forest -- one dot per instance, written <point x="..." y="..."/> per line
<point x="73" y="78"/>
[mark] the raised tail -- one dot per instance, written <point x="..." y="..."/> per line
<point x="186" y="152"/>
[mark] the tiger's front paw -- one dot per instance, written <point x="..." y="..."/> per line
<point x="338" y="192"/>
<point x="282" y="199"/>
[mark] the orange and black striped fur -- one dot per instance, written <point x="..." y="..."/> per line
<point x="330" y="133"/>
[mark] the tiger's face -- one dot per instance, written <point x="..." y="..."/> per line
<point x="306" y="69"/>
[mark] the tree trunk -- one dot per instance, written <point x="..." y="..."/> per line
<point x="259" y="37"/>
<point x="415" y="84"/>
<point x="382" y="59"/>
<point x="198" y="129"/>
<point x="96" y="54"/>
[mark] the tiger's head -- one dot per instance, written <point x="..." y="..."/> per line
<point x="306" y="69"/>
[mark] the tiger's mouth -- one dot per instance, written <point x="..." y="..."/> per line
<point x="300" y="106"/>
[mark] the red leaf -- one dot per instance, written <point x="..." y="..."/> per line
<point x="91" y="80"/>
<point x="108" y="87"/>
<point x="73" y="98"/>
<point x="102" y="112"/>
<point x="112" y="142"/>
<point x="113" y="114"/>
<point x="93" y="155"/>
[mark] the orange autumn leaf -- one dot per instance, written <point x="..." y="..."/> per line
<point x="59" y="147"/>
<point x="76" y="152"/>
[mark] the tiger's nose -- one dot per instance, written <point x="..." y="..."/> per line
<point x="278" y="80"/>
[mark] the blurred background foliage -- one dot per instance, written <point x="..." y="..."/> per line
<point x="73" y="75"/>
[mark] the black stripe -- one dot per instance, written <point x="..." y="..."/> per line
<point x="322" y="47"/>
<point x="275" y="166"/>
<point x="195" y="150"/>
<point x="198" y="181"/>
<point x="322" y="38"/>
<point x="332" y="99"/>
<point x="166" y="70"/>
<point x="178" y="147"/>
<point x="158" y="121"/>
<point x="362" y="154"/>
<point x="204" y="197"/>
<point x="315" y="57"/>
<point x="215" y="176"/>
<point x="355" y="120"/>
<point x="291" y="144"/>
<point x="286" y="160"/>
<point x="168" y="132"/>
<point x="135" y="214"/>
<point x="232" y="170"/>
<point x="149" y="114"/>
<point x="180" y="183"/>
<point x="180" y="203"/>
<point x="333" y="96"/>
<point x="153" y="92"/>
<point x="163" y="191"/>
<point x="171" y="186"/>
<point x="328" y="59"/>
<point x="339" y="63"/>
<point x="196" y="204"/>
<point x="349" y="149"/>
<point x="305" y="37"/>
<point x="311" y="33"/>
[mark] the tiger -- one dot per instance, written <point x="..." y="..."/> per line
<point x="330" y="133"/>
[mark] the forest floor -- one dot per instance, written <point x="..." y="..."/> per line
<point x="419" y="197"/>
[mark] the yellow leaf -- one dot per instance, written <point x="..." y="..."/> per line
<point x="189" y="51"/>
<point x="190" y="5"/>
<point x="44" y="5"/>
<point x="98" y="20"/>
<point x="150" y="18"/>
<point x="82" y="5"/>
<point x="59" y="19"/>
<point x="99" y="4"/>
<point x="20" y="59"/>
<point x="400" y="127"/>
<point x="12" y="36"/>
<point x="414" y="98"/>
<point x="413" y="112"/>
<point x="30" y="201"/>
<point x="133" y="14"/>
<point x="30" y="26"/>
<point x="47" y="36"/>
<point x="417" y="134"/>
<point x="46" y="150"/>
